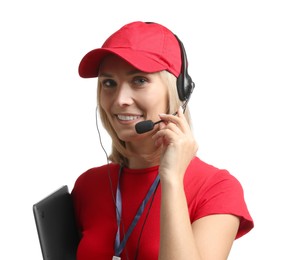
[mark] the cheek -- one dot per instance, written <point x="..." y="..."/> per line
<point x="104" y="102"/>
<point x="158" y="102"/>
<point x="105" y="107"/>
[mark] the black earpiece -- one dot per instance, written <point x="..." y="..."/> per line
<point x="185" y="84"/>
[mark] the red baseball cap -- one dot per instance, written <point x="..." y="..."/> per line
<point x="149" y="47"/>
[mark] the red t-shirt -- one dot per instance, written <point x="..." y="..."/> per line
<point x="209" y="190"/>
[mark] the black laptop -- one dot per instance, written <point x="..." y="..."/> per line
<point x="56" y="226"/>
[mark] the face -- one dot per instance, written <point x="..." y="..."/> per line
<point x="129" y="96"/>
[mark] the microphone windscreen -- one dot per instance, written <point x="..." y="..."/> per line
<point x="144" y="126"/>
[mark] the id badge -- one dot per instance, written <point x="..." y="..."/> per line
<point x="116" y="258"/>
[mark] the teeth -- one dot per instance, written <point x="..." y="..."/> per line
<point x="127" y="118"/>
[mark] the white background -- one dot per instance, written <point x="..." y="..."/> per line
<point x="48" y="135"/>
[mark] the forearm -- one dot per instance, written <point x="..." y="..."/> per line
<point x="177" y="240"/>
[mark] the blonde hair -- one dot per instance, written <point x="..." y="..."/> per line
<point x="119" y="153"/>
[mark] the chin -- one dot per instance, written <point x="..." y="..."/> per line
<point x="128" y="135"/>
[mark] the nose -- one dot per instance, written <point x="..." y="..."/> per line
<point x="124" y="95"/>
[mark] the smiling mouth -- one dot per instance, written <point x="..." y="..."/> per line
<point x="127" y="117"/>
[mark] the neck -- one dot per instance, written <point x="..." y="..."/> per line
<point x="143" y="155"/>
<point x="141" y="163"/>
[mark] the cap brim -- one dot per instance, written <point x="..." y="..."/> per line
<point x="143" y="61"/>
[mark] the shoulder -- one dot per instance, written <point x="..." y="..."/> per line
<point x="95" y="177"/>
<point x="97" y="172"/>
<point x="207" y="180"/>
<point x="203" y="173"/>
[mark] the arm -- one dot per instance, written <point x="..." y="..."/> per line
<point x="210" y="237"/>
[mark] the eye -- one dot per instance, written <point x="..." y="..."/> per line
<point x="108" y="83"/>
<point x="139" y="81"/>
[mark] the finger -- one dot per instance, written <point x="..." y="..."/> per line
<point x="167" y="134"/>
<point x="179" y="119"/>
<point x="174" y="128"/>
<point x="180" y="112"/>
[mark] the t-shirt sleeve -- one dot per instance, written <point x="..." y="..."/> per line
<point x="223" y="194"/>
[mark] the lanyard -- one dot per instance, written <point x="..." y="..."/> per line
<point x="119" y="246"/>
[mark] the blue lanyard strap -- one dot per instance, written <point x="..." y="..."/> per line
<point x="120" y="246"/>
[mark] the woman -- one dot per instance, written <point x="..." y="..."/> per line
<point x="154" y="199"/>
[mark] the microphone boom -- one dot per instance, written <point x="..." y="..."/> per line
<point x="145" y="126"/>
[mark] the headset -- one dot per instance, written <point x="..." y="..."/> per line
<point x="184" y="83"/>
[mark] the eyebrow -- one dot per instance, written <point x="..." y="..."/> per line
<point x="104" y="75"/>
<point x="131" y="72"/>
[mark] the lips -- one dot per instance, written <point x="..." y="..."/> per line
<point x="128" y="117"/>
